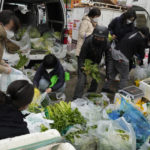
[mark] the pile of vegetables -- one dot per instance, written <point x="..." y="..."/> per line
<point x="22" y="62"/>
<point x="20" y="33"/>
<point x="34" y="33"/>
<point x="64" y="117"/>
<point x="92" y="70"/>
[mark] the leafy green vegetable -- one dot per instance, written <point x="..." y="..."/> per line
<point x="20" y="33"/>
<point x="34" y="33"/>
<point x="92" y="70"/>
<point x="22" y="62"/>
<point x="76" y="134"/>
<point x="109" y="111"/>
<point x="34" y="108"/>
<point x="43" y="128"/>
<point x="63" y="116"/>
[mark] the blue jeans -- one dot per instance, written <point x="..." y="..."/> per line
<point x="44" y="84"/>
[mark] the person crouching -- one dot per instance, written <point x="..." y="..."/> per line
<point x="50" y="76"/>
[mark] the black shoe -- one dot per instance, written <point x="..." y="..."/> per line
<point x="108" y="91"/>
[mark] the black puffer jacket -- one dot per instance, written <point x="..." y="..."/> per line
<point x="94" y="53"/>
<point x="132" y="44"/>
<point x="119" y="27"/>
<point x="58" y="70"/>
<point x="11" y="122"/>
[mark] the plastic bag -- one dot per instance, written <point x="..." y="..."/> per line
<point x="136" y="119"/>
<point x="34" y="122"/>
<point x="24" y="43"/>
<point x="89" y="111"/>
<point x="6" y="79"/>
<point x="139" y="73"/>
<point x="59" y="51"/>
<point x="113" y="137"/>
<point x="98" y="99"/>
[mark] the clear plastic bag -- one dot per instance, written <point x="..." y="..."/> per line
<point x="89" y="111"/>
<point x="6" y="79"/>
<point x="24" y="43"/>
<point x="34" y="122"/>
<point x="113" y="137"/>
<point x="139" y="73"/>
<point x="59" y="51"/>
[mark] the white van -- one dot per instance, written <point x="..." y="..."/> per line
<point x="31" y="12"/>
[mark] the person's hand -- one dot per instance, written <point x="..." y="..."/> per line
<point x="6" y="65"/>
<point x="49" y="90"/>
<point x="94" y="24"/>
<point x="8" y="70"/>
<point x="114" y="36"/>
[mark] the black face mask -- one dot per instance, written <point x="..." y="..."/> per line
<point x="98" y="43"/>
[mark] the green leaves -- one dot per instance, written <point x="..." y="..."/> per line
<point x="22" y="62"/>
<point x="92" y="70"/>
<point x="63" y="116"/>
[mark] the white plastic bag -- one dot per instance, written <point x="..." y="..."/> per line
<point x="112" y="136"/>
<point x="139" y="73"/>
<point x="59" y="51"/>
<point x="6" y="79"/>
<point x="34" y="122"/>
<point x="24" y="43"/>
<point x="89" y="111"/>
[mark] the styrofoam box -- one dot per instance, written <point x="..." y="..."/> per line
<point x="145" y="86"/>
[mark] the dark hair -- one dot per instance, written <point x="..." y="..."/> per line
<point x="19" y="93"/>
<point x="50" y="61"/>
<point x="6" y="16"/>
<point x="129" y="14"/>
<point x="94" y="12"/>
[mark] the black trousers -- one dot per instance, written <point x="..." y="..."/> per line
<point x="81" y="83"/>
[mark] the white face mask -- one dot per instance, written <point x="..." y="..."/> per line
<point x="129" y="21"/>
<point x="49" y="70"/>
<point x="10" y="34"/>
<point x="96" y="19"/>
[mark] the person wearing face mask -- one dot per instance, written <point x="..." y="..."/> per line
<point x="120" y="26"/>
<point x="93" y="49"/>
<point x="8" y="22"/>
<point x="17" y="98"/>
<point x="87" y="26"/>
<point x="133" y="43"/>
<point x="48" y="70"/>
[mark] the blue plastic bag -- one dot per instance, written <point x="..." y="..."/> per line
<point x="135" y="118"/>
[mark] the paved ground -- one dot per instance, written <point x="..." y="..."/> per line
<point x="72" y="83"/>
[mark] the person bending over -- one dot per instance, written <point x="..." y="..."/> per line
<point x="93" y="49"/>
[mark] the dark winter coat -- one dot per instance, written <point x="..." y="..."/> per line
<point x="132" y="44"/>
<point x="92" y="52"/>
<point x="11" y="122"/>
<point x="119" y="27"/>
<point x="58" y="70"/>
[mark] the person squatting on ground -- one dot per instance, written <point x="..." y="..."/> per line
<point x="8" y="23"/>
<point x="93" y="49"/>
<point x="132" y="44"/>
<point x="87" y="26"/>
<point x="17" y="98"/>
<point x="49" y="69"/>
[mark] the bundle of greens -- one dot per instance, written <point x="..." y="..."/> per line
<point x="92" y="70"/>
<point x="20" y="33"/>
<point x="22" y="62"/>
<point x="34" y="33"/>
<point x="63" y="116"/>
<point x="78" y="133"/>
